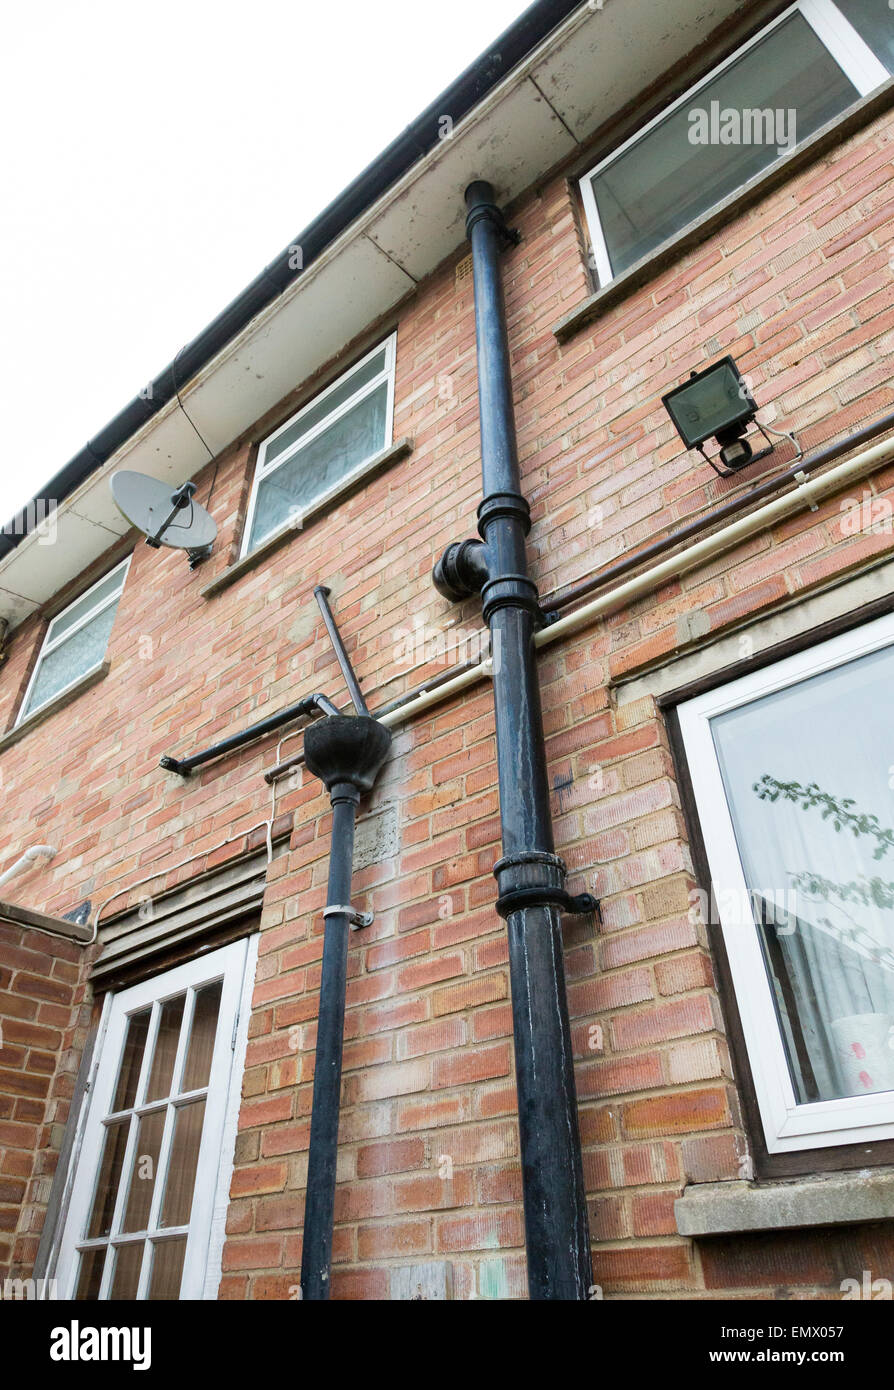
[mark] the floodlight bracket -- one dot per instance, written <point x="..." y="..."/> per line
<point x="746" y="463"/>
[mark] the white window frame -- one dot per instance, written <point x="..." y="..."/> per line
<point x="264" y="471"/>
<point x="50" y="644"/>
<point x="787" y="1125"/>
<point x="852" y="54"/>
<point x="235" y="965"/>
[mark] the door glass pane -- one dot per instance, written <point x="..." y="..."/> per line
<point x="144" y="1170"/>
<point x="320" y="464"/>
<point x="90" y="1273"/>
<point x="315" y="414"/>
<point x="167" y="1268"/>
<point x="184" y="1160"/>
<point x="131" y="1060"/>
<point x="201" y="1041"/>
<point x="874" y="22"/>
<point x="806" y="775"/>
<point x="110" y="1166"/>
<point x="774" y="96"/>
<point x="126" y="1279"/>
<point x="74" y="657"/>
<point x="165" y="1048"/>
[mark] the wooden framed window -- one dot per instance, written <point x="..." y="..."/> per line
<point x="150" y="1187"/>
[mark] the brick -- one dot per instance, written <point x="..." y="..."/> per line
<point x="676" y="1113"/>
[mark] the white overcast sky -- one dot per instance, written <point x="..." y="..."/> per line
<point x="154" y="157"/>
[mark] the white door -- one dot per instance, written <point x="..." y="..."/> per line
<point x="153" y="1163"/>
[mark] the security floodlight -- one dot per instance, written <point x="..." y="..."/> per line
<point x="717" y="404"/>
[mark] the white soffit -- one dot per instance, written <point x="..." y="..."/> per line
<point x="570" y="86"/>
<point x="600" y="62"/>
<point x="510" y="143"/>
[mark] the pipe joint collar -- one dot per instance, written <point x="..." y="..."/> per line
<point x="511" y="591"/>
<point x="481" y="207"/>
<point x="536" y="878"/>
<point x="510" y="506"/>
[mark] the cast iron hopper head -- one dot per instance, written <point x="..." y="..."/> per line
<point x="346" y="748"/>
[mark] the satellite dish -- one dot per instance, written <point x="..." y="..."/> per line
<point x="167" y="518"/>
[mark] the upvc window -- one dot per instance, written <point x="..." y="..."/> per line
<point x="324" y="448"/>
<point x="792" y="770"/>
<point x="76" y="641"/>
<point x="148" y="1201"/>
<point x="806" y="67"/>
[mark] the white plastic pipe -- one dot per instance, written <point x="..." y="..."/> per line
<point x="802" y="495"/>
<point x="27" y="859"/>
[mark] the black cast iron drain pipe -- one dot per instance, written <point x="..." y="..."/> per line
<point x="311" y="704"/>
<point x="346" y="752"/>
<point x="530" y="876"/>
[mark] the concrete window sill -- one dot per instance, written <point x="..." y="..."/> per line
<point x="54" y="706"/>
<point x="832" y="1199"/>
<point x="650" y="266"/>
<point x="377" y="464"/>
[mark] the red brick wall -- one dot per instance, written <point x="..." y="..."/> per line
<point x="799" y="289"/>
<point x="40" y="1045"/>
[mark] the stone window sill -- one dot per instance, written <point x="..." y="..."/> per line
<point x="832" y="1199"/>
<point x="54" y="706"/>
<point x="649" y="267"/>
<point x="377" y="464"/>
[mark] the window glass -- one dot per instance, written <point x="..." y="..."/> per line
<point x="874" y="22"/>
<point x="776" y="94"/>
<point x="74" y="657"/>
<point x="94" y="598"/>
<point x="806" y="775"/>
<point x="76" y="641"/>
<point x="320" y="464"/>
<point x="165" y="1048"/>
<point x="333" y="400"/>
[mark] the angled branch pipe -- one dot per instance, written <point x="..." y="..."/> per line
<point x="346" y="752"/>
<point x="530" y="875"/>
<point x="31" y="854"/>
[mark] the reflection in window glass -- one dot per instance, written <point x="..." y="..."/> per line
<point x="165" y="1048"/>
<point x="874" y="22"/>
<point x="167" y="1268"/>
<point x="320" y="464"/>
<point x="183" y="1164"/>
<point x="126" y="1279"/>
<point x="132" y="1060"/>
<point x="144" y="1171"/>
<point x="90" y="1273"/>
<point x="201" y="1041"/>
<point x="110" y="1166"/>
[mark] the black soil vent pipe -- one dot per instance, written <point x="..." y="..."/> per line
<point x="530" y="876"/>
<point x="346" y="752"/>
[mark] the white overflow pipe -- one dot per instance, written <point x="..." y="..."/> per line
<point x="28" y="858"/>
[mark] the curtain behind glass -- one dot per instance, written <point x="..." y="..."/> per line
<point x="806" y="774"/>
